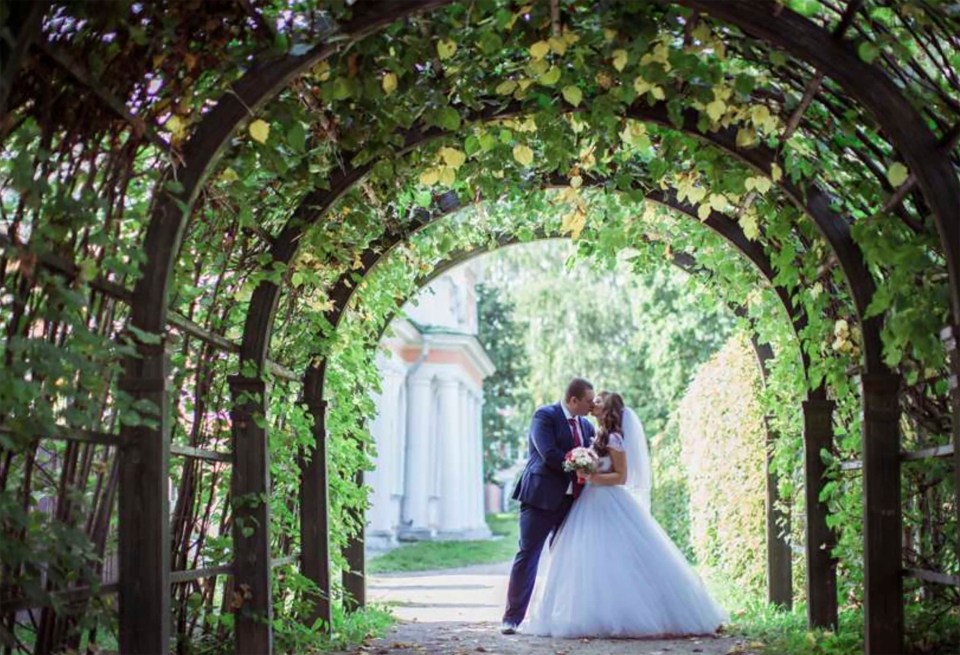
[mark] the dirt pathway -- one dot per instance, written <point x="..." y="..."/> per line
<point x="457" y="612"/>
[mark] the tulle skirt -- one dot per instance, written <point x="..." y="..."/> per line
<point x="613" y="572"/>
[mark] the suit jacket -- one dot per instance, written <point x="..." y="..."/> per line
<point x="544" y="483"/>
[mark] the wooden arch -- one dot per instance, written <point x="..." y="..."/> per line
<point x="818" y="430"/>
<point x="145" y="566"/>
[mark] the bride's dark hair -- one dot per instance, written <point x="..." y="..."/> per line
<point x="611" y="420"/>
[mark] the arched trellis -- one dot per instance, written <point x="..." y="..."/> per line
<point x="142" y="488"/>
<point x="818" y="430"/>
<point x="779" y="558"/>
<point x="814" y="203"/>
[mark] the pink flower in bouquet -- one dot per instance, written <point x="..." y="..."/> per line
<point x="581" y="459"/>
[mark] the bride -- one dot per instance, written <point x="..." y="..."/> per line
<point x="611" y="570"/>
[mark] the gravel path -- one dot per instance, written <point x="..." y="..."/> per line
<point x="457" y="611"/>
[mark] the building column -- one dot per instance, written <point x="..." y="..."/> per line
<point x="448" y="441"/>
<point x="380" y="519"/>
<point x="477" y="440"/>
<point x="416" y="496"/>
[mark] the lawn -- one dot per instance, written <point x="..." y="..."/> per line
<point x="432" y="555"/>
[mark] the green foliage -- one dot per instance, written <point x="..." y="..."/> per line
<point x="507" y="405"/>
<point x="77" y="183"/>
<point x="723" y="442"/>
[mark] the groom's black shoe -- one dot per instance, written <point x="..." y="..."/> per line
<point x="508" y="628"/>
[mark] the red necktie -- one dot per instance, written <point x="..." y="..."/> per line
<point x="575" y="429"/>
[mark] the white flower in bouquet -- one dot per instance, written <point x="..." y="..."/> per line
<point x="581" y="459"/>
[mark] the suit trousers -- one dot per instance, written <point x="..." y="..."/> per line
<point x="536" y="524"/>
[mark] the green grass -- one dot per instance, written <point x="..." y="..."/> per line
<point x="432" y="555"/>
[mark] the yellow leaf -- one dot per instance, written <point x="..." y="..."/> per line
<point x="641" y="86"/>
<point x="452" y="157"/>
<point x="322" y="71"/>
<point x="570" y="37"/>
<point x="539" y="50"/>
<point x="701" y="32"/>
<point x="176" y="126"/>
<point x="658" y="93"/>
<point x="750" y="224"/>
<point x="573" y="95"/>
<point x="558" y="45"/>
<point x="703" y="212"/>
<point x="696" y="194"/>
<point x="430" y="177"/>
<point x="389" y="83"/>
<point x="577" y="224"/>
<point x="551" y="77"/>
<point x="447" y="175"/>
<point x="760" y="184"/>
<point x="229" y="175"/>
<point x="576" y="181"/>
<point x="523" y="154"/>
<point x="620" y="59"/>
<point x="776" y="173"/>
<point x="259" y="130"/>
<point x="897" y="174"/>
<point x="446" y="48"/>
<point x="506" y="87"/>
<point x="716" y="109"/>
<point x="609" y="34"/>
<point x="746" y="137"/>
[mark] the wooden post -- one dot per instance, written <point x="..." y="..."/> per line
<point x="314" y="504"/>
<point x="821" y="565"/>
<point x="144" y="508"/>
<point x="951" y="340"/>
<point x="250" y="491"/>
<point x="779" y="558"/>
<point x="883" y="558"/>
<point x="355" y="573"/>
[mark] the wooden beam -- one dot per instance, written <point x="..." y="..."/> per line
<point x="179" y="577"/>
<point x="933" y="576"/>
<point x="779" y="557"/>
<point x="821" y="564"/>
<point x="813" y="86"/>
<point x="882" y="519"/>
<point x="144" y="507"/>
<point x="22" y="25"/>
<point x="950" y="336"/>
<point x="250" y="495"/>
<point x="137" y="124"/>
<point x="199" y="453"/>
<point x="314" y="506"/>
<point x="928" y="453"/>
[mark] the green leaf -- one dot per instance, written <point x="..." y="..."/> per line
<point x="573" y="95"/>
<point x="448" y="118"/>
<point x="867" y="51"/>
<point x="297" y="136"/>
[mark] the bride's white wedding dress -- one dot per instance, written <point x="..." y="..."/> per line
<point x="613" y="572"/>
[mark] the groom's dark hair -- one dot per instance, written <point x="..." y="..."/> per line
<point x="577" y="388"/>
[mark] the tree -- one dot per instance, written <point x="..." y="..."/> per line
<point x="507" y="401"/>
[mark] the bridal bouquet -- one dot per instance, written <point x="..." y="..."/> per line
<point x="581" y="459"/>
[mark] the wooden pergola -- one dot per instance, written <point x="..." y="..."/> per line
<point x="833" y="75"/>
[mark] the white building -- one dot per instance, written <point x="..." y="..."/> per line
<point x="428" y="481"/>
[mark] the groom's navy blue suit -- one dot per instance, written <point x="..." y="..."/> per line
<point x="544" y="501"/>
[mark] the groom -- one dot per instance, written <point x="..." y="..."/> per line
<point x="545" y="491"/>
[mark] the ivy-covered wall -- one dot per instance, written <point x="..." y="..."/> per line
<point x="723" y="442"/>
